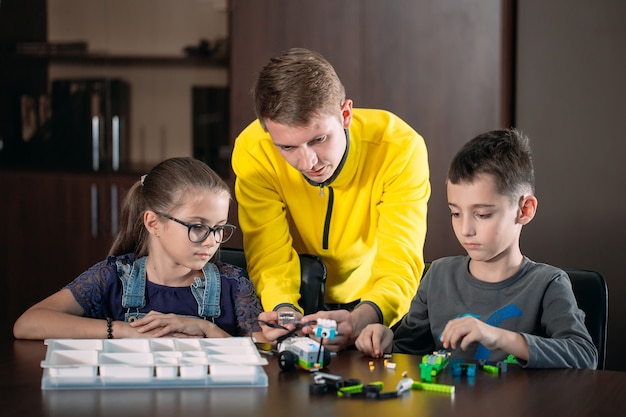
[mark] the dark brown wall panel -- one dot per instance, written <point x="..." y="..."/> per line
<point x="443" y="66"/>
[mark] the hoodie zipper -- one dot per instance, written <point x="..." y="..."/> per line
<point x="329" y="213"/>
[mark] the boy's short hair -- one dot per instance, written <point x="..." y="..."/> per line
<point x="296" y="86"/>
<point x="505" y="154"/>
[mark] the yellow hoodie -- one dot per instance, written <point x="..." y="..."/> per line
<point x="368" y="224"/>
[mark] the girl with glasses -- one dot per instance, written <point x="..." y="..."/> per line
<point x="162" y="276"/>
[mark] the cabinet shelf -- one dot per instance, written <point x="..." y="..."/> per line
<point x="99" y="59"/>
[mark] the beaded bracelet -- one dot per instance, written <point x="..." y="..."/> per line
<point x="109" y="328"/>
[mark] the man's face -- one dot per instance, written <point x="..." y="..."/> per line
<point x="316" y="149"/>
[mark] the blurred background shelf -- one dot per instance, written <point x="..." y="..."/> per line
<point x="82" y="58"/>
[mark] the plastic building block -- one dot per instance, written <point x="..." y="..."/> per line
<point x="404" y="384"/>
<point x="426" y="372"/>
<point x="351" y="389"/>
<point x="322" y="382"/>
<point x="373" y="390"/>
<point x="326" y="328"/>
<point x="463" y="369"/>
<point x="492" y="369"/>
<point x="287" y="317"/>
<point x="510" y="359"/>
<point x="426" y="386"/>
<point x="433" y="364"/>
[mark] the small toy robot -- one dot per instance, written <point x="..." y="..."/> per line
<point x="433" y="364"/>
<point x="305" y="352"/>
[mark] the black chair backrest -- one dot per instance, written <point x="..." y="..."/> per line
<point x="232" y="256"/>
<point x="313" y="277"/>
<point x="592" y="296"/>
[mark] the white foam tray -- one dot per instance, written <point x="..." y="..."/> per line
<point x="152" y="363"/>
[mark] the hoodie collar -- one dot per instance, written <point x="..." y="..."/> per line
<point x="340" y="167"/>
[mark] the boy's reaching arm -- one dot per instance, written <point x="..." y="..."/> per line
<point x="568" y="343"/>
<point x="467" y="330"/>
<point x="562" y="341"/>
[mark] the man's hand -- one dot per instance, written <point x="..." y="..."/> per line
<point x="349" y="325"/>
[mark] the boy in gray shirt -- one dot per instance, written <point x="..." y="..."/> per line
<point x="494" y="301"/>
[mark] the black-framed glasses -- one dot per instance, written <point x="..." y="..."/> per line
<point x="198" y="232"/>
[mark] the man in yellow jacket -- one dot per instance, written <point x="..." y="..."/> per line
<point x="314" y="175"/>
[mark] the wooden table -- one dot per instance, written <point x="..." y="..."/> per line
<point x="518" y="392"/>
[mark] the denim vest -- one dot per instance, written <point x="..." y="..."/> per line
<point x="205" y="290"/>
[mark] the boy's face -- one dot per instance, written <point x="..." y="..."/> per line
<point x="315" y="150"/>
<point x="484" y="221"/>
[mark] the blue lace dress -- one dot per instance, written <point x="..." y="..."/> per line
<point x="99" y="292"/>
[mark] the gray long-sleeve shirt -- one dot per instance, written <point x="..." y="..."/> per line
<point x="537" y="302"/>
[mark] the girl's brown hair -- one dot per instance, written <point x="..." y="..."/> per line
<point x="162" y="190"/>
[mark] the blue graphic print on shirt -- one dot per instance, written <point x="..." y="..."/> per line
<point x="506" y="312"/>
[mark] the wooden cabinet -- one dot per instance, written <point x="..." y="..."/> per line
<point x="154" y="47"/>
<point x="52" y="227"/>
<point x="19" y="80"/>
<point x="165" y="55"/>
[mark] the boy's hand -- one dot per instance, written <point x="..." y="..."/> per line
<point x="375" y="340"/>
<point x="464" y="331"/>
